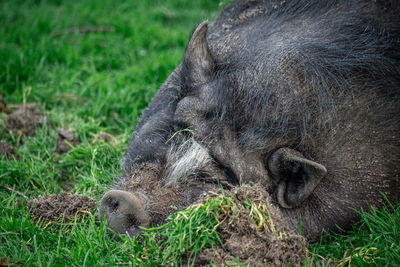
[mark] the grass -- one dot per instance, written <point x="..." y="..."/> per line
<point x="179" y="238"/>
<point x="101" y="81"/>
<point x="375" y="240"/>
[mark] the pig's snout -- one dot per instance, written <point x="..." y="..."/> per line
<point x="124" y="212"/>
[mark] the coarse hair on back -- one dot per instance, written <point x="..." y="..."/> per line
<point x="300" y="61"/>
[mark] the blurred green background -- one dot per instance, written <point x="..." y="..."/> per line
<point x="115" y="72"/>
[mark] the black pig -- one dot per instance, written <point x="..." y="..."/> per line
<point x="300" y="96"/>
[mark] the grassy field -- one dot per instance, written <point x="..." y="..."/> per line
<point x="91" y="66"/>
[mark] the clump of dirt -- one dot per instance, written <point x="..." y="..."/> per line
<point x="65" y="205"/>
<point x="253" y="238"/>
<point x="25" y="119"/>
<point x="7" y="150"/>
<point x="65" y="137"/>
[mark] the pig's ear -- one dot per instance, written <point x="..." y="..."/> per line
<point x="296" y="176"/>
<point x="198" y="61"/>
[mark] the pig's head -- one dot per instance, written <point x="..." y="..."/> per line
<point x="179" y="173"/>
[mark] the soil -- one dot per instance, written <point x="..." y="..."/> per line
<point x="65" y="137"/>
<point x="7" y="150"/>
<point x="63" y="207"/>
<point x="25" y="119"/>
<point x="267" y="244"/>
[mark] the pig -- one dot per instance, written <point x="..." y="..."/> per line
<point x="302" y="97"/>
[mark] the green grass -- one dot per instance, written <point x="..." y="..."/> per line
<point x="375" y="240"/>
<point x="101" y="82"/>
<point x="170" y="243"/>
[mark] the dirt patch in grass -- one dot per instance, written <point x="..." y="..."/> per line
<point x="65" y="205"/>
<point x="255" y="234"/>
<point x="65" y="139"/>
<point x="7" y="150"/>
<point x="25" y="119"/>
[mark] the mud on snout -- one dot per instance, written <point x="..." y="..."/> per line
<point x="150" y="192"/>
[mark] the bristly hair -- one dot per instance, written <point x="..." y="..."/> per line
<point x="282" y="66"/>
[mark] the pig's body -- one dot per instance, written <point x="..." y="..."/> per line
<point x="300" y="96"/>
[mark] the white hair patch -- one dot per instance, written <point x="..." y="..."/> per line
<point x="185" y="161"/>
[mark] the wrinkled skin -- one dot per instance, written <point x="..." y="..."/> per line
<point x="300" y="96"/>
